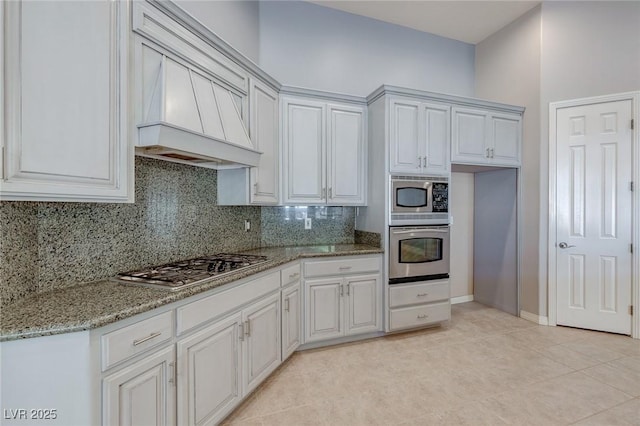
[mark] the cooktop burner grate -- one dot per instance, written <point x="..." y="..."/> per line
<point x="178" y="275"/>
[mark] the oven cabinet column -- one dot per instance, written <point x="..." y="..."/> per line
<point x="418" y="137"/>
<point x="419" y="304"/>
<point x="342" y="298"/>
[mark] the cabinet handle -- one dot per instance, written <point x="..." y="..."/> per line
<point x="324" y="192"/>
<point x="294" y="276"/>
<point x="146" y="339"/>
<point x="487" y="155"/>
<point x="423" y="316"/>
<point x="348" y="291"/>
<point x="344" y="268"/>
<point x="241" y="327"/>
<point x="255" y="188"/>
<point x="330" y="192"/>
<point x="491" y="152"/>
<point x="424" y="161"/>
<point x="341" y="290"/>
<point x="286" y="305"/>
<point x="422" y="294"/>
<point x="419" y="162"/>
<point x="247" y="329"/>
<point x="172" y="373"/>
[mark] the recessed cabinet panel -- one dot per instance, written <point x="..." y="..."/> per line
<point x="346" y="159"/>
<point x="506" y="133"/>
<point x="363" y="299"/>
<point x="265" y="179"/>
<point x="262" y="336"/>
<point x="469" y="138"/>
<point x="65" y="101"/>
<point x="291" y="332"/>
<point x="304" y="150"/>
<point x="324" y="309"/>
<point x="405" y="147"/>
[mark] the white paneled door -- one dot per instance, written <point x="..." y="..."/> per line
<point x="594" y="216"/>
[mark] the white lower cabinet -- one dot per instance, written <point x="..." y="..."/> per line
<point x="291" y="330"/>
<point x="345" y="304"/>
<point x="210" y="372"/>
<point x="415" y="305"/>
<point x="142" y="393"/>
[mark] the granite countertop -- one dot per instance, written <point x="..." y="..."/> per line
<point x="92" y="305"/>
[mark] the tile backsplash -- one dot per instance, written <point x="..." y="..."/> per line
<point x="175" y="216"/>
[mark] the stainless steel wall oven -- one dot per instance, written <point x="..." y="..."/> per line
<point x="418" y="253"/>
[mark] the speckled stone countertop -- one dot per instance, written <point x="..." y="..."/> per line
<point x="92" y="305"/>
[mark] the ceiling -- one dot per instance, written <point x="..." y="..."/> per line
<point x="467" y="21"/>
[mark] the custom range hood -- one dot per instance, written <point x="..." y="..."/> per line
<point x="190" y="118"/>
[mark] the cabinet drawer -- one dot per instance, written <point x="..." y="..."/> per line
<point x="417" y="316"/>
<point x="341" y="266"/>
<point x="290" y="274"/>
<point x="413" y="294"/>
<point x="203" y="310"/>
<point x="136" y="338"/>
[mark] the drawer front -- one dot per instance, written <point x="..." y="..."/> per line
<point x="203" y="310"/>
<point x="341" y="266"/>
<point x="126" y="342"/>
<point x="290" y="274"/>
<point x="417" y="316"/>
<point x="413" y="294"/>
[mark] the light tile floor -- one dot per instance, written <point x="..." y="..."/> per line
<point x="485" y="367"/>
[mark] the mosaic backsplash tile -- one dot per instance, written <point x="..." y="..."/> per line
<point x="369" y="238"/>
<point x="175" y="216"/>
<point x="283" y="226"/>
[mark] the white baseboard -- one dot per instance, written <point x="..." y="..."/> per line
<point x="462" y="299"/>
<point x="534" y="318"/>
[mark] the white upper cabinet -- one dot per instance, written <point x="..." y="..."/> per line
<point x="65" y="102"/>
<point x="324" y="151"/>
<point x="485" y="138"/>
<point x="419" y="137"/>
<point x="263" y="118"/>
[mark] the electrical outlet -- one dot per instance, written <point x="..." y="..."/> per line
<point x="247" y="225"/>
<point x="307" y="223"/>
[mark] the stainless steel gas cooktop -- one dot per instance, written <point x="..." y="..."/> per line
<point x="186" y="273"/>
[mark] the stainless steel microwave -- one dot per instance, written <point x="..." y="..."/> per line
<point x="419" y="200"/>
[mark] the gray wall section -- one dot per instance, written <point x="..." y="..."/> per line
<point x="236" y="22"/>
<point x="307" y="45"/>
<point x="508" y="70"/>
<point x="495" y="277"/>
<point x="588" y="49"/>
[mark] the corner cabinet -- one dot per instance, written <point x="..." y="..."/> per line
<point x="418" y="137"/>
<point x="482" y="137"/>
<point x="324" y="152"/>
<point x="65" y="102"/>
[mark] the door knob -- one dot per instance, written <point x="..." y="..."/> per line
<point x="564" y="245"/>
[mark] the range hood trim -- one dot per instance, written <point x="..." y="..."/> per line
<point x="198" y="145"/>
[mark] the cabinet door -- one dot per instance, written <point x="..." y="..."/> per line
<point x="506" y="139"/>
<point x="142" y="393"/>
<point x="405" y="147"/>
<point x="291" y="336"/>
<point x="469" y="142"/>
<point x="323" y="309"/>
<point x="436" y="144"/>
<point x="261" y="341"/>
<point x="264" y="179"/>
<point x="346" y="154"/>
<point x="303" y="145"/>
<point x="209" y="373"/>
<point x="66" y="102"/>
<point x="363" y="312"/>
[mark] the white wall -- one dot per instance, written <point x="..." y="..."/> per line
<point x="236" y="22"/>
<point x="461" y="259"/>
<point x="508" y="70"/>
<point x="307" y="45"/>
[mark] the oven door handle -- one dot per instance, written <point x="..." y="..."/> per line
<point x="439" y="231"/>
